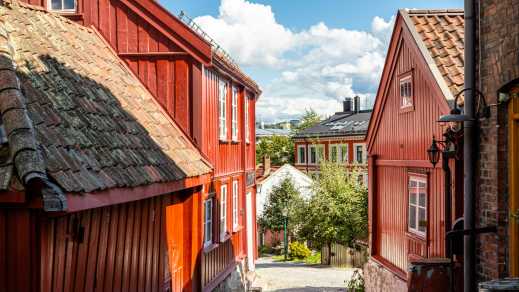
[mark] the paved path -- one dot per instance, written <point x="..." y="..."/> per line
<point x="291" y="277"/>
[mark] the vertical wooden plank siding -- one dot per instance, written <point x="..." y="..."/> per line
<point x="513" y="124"/>
<point x="406" y="136"/>
<point x="120" y="251"/>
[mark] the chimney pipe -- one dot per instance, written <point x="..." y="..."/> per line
<point x="357" y="103"/>
<point x="347" y="105"/>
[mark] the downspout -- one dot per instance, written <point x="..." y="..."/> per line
<point x="448" y="200"/>
<point x="469" y="151"/>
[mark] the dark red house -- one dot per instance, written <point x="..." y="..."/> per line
<point x="131" y="164"/>
<point x="422" y="74"/>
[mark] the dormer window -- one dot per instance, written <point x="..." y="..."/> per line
<point x="406" y="91"/>
<point x="68" y="6"/>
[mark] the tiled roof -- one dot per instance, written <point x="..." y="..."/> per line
<point x="340" y="124"/>
<point x="92" y="122"/>
<point x="442" y="32"/>
<point x="272" y="132"/>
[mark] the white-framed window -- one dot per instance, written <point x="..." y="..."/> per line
<point x="359" y="153"/>
<point x="338" y="153"/>
<point x="223" y="212"/>
<point x="222" y="109"/>
<point x="208" y="222"/>
<point x="315" y="153"/>
<point x="301" y="154"/>
<point x="247" y="126"/>
<point x="406" y="91"/>
<point x="235" y="205"/>
<point x="68" y="6"/>
<point x="234" y="114"/>
<point x="417" y="205"/>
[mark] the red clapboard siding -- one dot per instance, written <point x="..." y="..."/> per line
<point x="400" y="141"/>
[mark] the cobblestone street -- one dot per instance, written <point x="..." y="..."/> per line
<point x="281" y="276"/>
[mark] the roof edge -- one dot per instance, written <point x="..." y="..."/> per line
<point x="425" y="53"/>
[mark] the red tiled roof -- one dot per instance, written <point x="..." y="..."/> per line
<point x="94" y="124"/>
<point x="442" y="32"/>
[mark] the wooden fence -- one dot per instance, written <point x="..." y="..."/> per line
<point x="342" y="256"/>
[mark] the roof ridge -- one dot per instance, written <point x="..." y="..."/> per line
<point x="455" y="11"/>
<point x="23" y="147"/>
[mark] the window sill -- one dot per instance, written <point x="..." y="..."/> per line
<point x="406" y="109"/>
<point x="224" y="238"/>
<point x="237" y="229"/>
<point x="415" y="236"/>
<point x="210" y="247"/>
<point x="235" y="141"/>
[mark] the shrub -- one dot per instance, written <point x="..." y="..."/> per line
<point x="356" y="283"/>
<point x="298" y="250"/>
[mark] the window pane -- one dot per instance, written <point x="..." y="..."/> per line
<point x="344" y="153"/>
<point x="412" y="183"/>
<point x="422" y="200"/>
<point x="312" y="155"/>
<point x="412" y="217"/>
<point x="422" y="221"/>
<point x="302" y="154"/>
<point x="333" y="154"/>
<point x="56" y="5"/>
<point x="412" y="198"/>
<point x="69" y="4"/>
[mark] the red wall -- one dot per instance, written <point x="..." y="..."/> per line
<point x="400" y="146"/>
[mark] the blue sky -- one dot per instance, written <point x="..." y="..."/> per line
<point x="304" y="54"/>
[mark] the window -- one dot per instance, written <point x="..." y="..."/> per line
<point x="208" y="222"/>
<point x="223" y="212"/>
<point x="417" y="214"/>
<point x="235" y="205"/>
<point x="62" y="5"/>
<point x="339" y="153"/>
<point x="247" y="130"/>
<point x="316" y="153"/>
<point x="406" y="92"/>
<point x="234" y="118"/>
<point x="359" y="153"/>
<point x="301" y="154"/>
<point x="222" y="110"/>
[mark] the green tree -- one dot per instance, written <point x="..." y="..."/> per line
<point x="282" y="196"/>
<point x="309" y="119"/>
<point x="280" y="149"/>
<point x="338" y="210"/>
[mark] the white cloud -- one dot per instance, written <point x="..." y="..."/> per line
<point x="315" y="67"/>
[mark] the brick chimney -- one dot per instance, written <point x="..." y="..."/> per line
<point x="266" y="165"/>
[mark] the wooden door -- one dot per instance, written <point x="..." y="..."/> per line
<point x="514" y="181"/>
<point x="250" y="231"/>
<point x="174" y="231"/>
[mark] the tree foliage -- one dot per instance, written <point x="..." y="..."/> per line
<point x="338" y="210"/>
<point x="280" y="149"/>
<point x="309" y="119"/>
<point x="282" y="196"/>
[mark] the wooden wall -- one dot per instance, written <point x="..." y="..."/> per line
<point x="400" y="145"/>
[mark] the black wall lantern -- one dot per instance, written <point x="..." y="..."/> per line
<point x="434" y="152"/>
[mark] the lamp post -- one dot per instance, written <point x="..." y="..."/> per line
<point x="285" y="223"/>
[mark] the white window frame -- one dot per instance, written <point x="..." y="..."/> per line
<point x="222" y="109"/>
<point x="344" y="158"/>
<point x="340" y="158"/>
<point x="208" y="222"/>
<point x="234" y="114"/>
<point x="72" y="10"/>
<point x="299" y="160"/>
<point x="417" y="179"/>
<point x="223" y="212"/>
<point x="247" y="126"/>
<point x="330" y="152"/>
<point x="318" y="148"/>
<point x="235" y="205"/>
<point x="406" y="93"/>
<point x="355" y="160"/>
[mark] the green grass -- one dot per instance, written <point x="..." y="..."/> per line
<point x="311" y="260"/>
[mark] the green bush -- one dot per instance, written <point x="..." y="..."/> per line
<point x="356" y="283"/>
<point x="298" y="250"/>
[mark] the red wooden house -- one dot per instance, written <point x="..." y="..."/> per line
<point x="142" y="133"/>
<point x="422" y="73"/>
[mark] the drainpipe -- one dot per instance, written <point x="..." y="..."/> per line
<point x="469" y="151"/>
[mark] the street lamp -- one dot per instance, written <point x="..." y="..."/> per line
<point x="434" y="152"/>
<point x="285" y="245"/>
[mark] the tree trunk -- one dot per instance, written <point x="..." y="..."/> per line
<point x="329" y="245"/>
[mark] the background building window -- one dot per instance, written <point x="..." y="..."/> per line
<point x="417" y="219"/>
<point x="223" y="212"/>
<point x="312" y="154"/>
<point x="234" y="113"/>
<point x="333" y="153"/>
<point x="63" y="5"/>
<point x="359" y="153"/>
<point x="235" y="205"/>
<point x="344" y="153"/>
<point x="208" y="222"/>
<point x="222" y="110"/>
<point x="301" y="154"/>
<point x="406" y="91"/>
